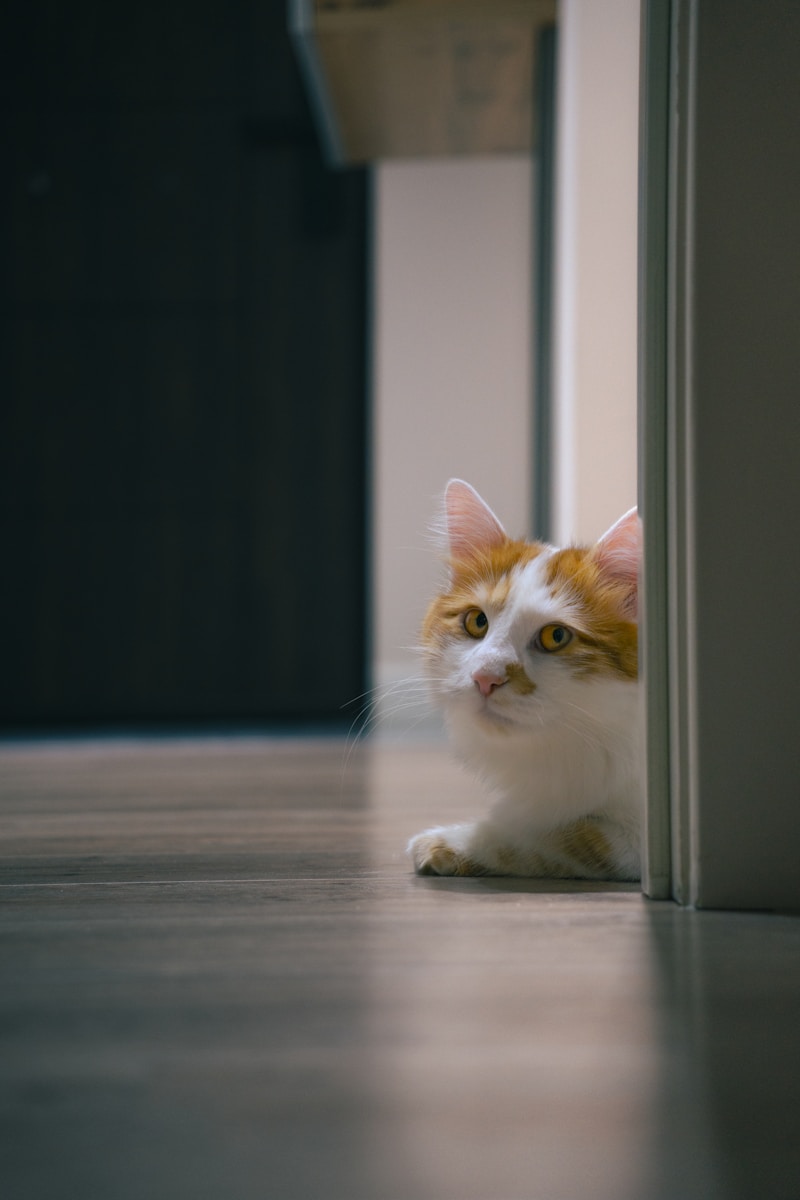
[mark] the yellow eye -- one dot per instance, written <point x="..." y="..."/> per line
<point x="475" y="623"/>
<point x="553" y="637"/>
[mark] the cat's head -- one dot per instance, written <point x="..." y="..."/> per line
<point x="522" y="632"/>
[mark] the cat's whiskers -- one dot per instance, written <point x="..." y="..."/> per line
<point x="385" y="702"/>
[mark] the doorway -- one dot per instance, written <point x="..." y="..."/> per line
<point x="182" y="432"/>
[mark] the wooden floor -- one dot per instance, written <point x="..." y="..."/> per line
<point x="220" y="980"/>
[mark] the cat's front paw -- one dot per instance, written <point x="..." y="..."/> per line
<point x="437" y="852"/>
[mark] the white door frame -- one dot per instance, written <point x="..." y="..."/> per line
<point x="719" y="389"/>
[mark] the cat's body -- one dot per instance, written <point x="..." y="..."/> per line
<point x="532" y="653"/>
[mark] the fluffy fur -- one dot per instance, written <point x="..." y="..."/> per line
<point x="532" y="653"/>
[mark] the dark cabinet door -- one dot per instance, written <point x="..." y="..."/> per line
<point x="182" y="373"/>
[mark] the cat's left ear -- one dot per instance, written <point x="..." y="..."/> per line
<point x="619" y="554"/>
<point x="471" y="526"/>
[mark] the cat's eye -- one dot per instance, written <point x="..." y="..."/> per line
<point x="553" y="637"/>
<point x="475" y="623"/>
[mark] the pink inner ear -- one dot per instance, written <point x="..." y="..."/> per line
<point x="619" y="553"/>
<point x="472" y="527"/>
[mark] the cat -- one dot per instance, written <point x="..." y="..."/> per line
<point x="531" y="651"/>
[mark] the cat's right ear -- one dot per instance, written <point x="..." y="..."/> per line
<point x="471" y="526"/>
<point x="618" y="554"/>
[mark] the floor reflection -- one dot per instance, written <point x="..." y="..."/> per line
<point x="729" y="1050"/>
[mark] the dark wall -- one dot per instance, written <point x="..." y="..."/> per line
<point x="182" y="384"/>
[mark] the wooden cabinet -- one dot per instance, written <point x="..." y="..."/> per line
<point x="409" y="78"/>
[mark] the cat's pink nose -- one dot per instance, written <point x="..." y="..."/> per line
<point x="486" y="682"/>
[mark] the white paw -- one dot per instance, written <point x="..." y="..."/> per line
<point x="434" y="853"/>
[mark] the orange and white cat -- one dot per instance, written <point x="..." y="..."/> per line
<point x="532" y="653"/>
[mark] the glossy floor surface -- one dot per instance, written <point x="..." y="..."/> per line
<point x="220" y="981"/>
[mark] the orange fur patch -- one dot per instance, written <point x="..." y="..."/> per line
<point x="496" y="564"/>
<point x="579" y="850"/>
<point x="491" y="570"/>
<point x="518" y="680"/>
<point x="609" y="642"/>
<point x="585" y="843"/>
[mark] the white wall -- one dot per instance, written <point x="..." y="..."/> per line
<point x="452" y="370"/>
<point x="595" y="265"/>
